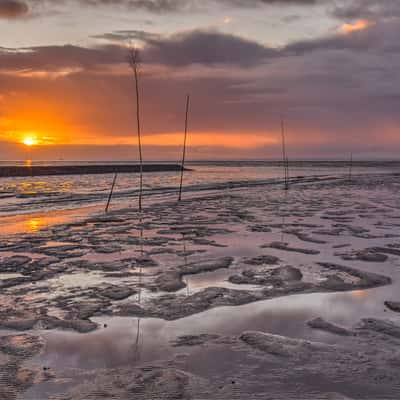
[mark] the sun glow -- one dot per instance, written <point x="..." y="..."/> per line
<point x="30" y="141"/>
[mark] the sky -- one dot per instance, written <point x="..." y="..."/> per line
<point x="329" y="68"/>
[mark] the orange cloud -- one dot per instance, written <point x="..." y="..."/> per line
<point x="40" y="74"/>
<point x="359" y="25"/>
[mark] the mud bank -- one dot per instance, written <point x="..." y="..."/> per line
<point x="258" y="365"/>
<point x="187" y="261"/>
<point x="47" y="170"/>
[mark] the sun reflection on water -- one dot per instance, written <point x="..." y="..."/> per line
<point x="359" y="293"/>
<point x="34" y="224"/>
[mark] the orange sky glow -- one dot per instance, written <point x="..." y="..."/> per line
<point x="234" y="140"/>
<point x="329" y="70"/>
<point x="359" y="25"/>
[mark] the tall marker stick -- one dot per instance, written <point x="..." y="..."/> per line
<point x="351" y="167"/>
<point x="134" y="61"/>
<point x="284" y="157"/>
<point x="184" y="146"/>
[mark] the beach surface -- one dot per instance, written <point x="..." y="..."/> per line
<point x="241" y="291"/>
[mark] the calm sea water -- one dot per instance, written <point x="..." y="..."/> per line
<point x="21" y="195"/>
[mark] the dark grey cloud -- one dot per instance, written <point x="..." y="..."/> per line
<point x="352" y="10"/>
<point x="180" y="50"/>
<point x="156" y="6"/>
<point x="172" y="5"/>
<point x="204" y="47"/>
<point x="11" y="9"/>
<point x="366" y="9"/>
<point x="380" y="37"/>
<point x="252" y="3"/>
<point x="127" y="35"/>
<point x="53" y="57"/>
<point x="166" y="6"/>
<point x="212" y="47"/>
<point x="38" y="8"/>
<point x="207" y="48"/>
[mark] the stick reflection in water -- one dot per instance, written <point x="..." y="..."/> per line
<point x="285" y="159"/>
<point x="141" y="249"/>
<point x="185" y="255"/>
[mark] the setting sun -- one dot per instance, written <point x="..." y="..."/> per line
<point x="29" y="141"/>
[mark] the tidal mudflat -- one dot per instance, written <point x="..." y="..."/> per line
<point x="247" y="293"/>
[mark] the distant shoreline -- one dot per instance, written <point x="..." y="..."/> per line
<point x="47" y="170"/>
<point x="275" y="162"/>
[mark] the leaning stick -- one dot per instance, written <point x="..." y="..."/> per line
<point x="111" y="192"/>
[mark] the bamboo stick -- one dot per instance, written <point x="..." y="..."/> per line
<point x="287" y="172"/>
<point x="184" y="147"/>
<point x="111" y="192"/>
<point x="134" y="61"/>
<point x="285" y="160"/>
<point x="351" y="167"/>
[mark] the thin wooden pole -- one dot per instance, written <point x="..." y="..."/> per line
<point x="184" y="147"/>
<point x="284" y="157"/>
<point x="111" y="192"/>
<point x="134" y="61"/>
<point x="351" y="167"/>
<point x="287" y="173"/>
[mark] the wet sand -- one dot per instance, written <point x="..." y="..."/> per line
<point x="34" y="222"/>
<point x="244" y="293"/>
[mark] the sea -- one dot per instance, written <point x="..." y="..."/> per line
<point x="46" y="193"/>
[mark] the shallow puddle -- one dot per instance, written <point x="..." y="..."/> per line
<point x="137" y="340"/>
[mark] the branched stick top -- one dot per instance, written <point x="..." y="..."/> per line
<point x="133" y="58"/>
